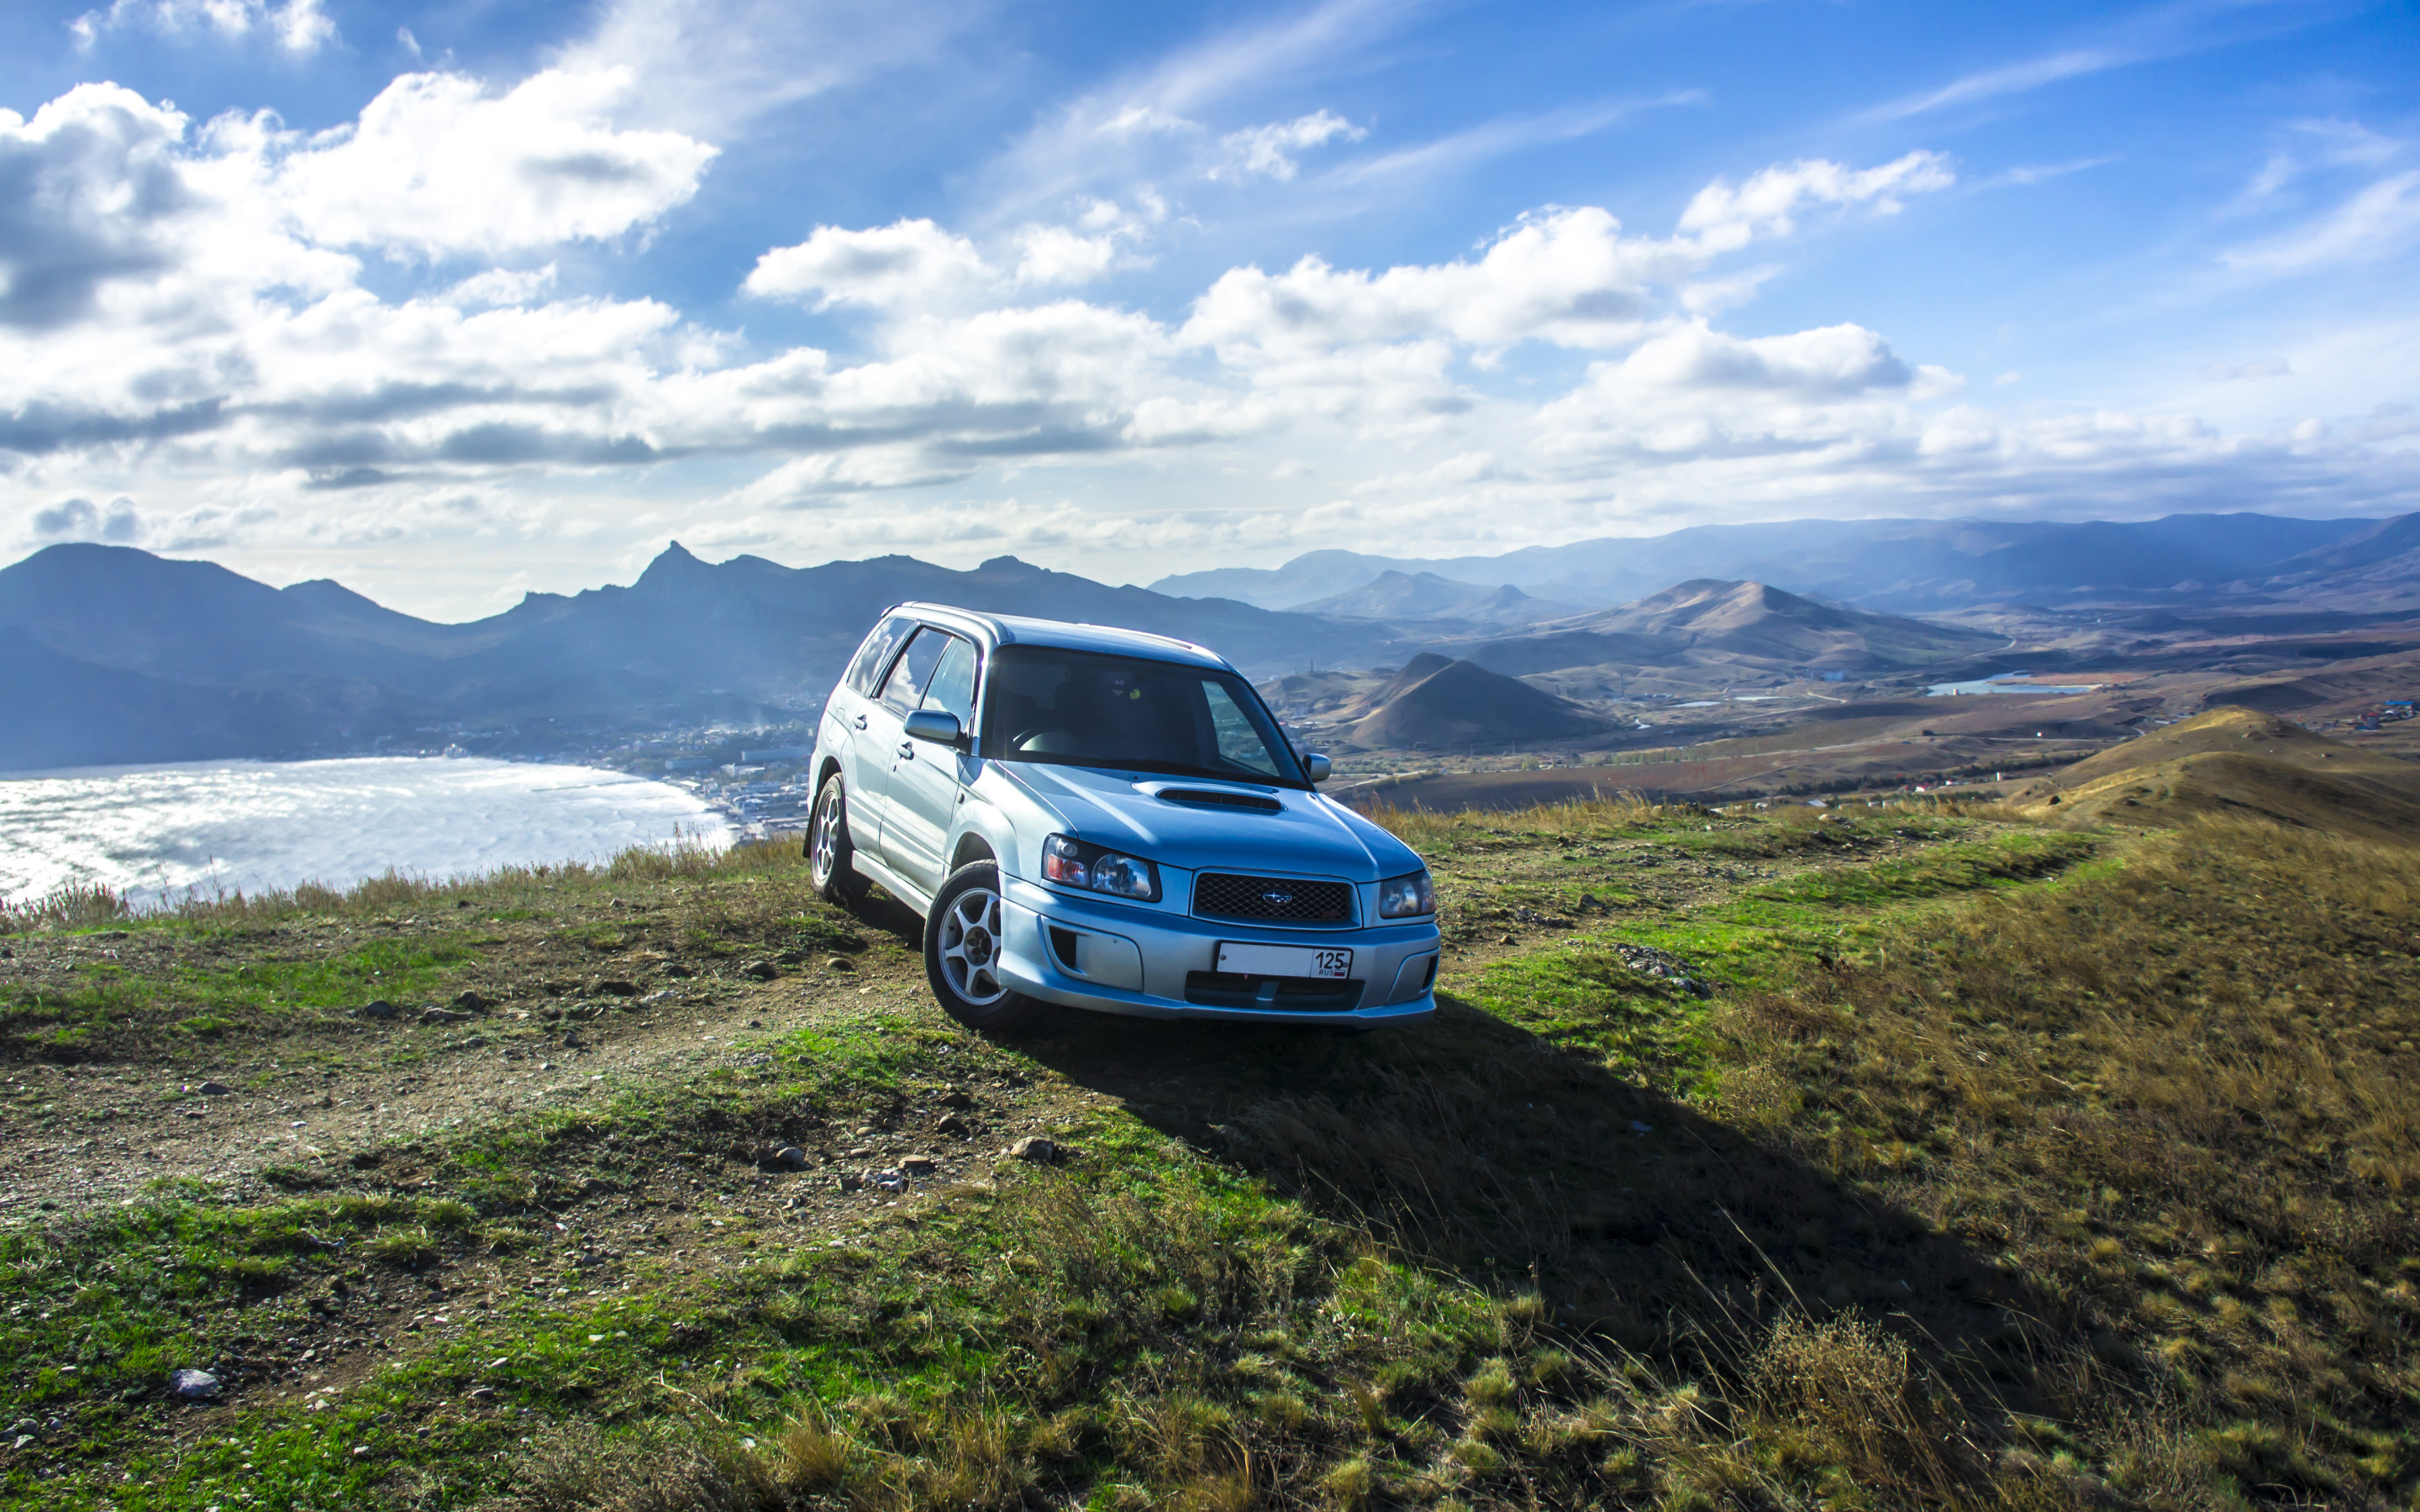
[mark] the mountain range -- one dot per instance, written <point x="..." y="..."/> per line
<point x="109" y="654"/>
<point x="1901" y="566"/>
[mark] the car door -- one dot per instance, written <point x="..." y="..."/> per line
<point x="926" y="779"/>
<point x="879" y="742"/>
<point x="864" y="757"/>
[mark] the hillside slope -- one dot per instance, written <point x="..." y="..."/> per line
<point x="1438" y="701"/>
<point x="2241" y="763"/>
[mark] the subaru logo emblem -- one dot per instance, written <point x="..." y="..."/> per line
<point x="1276" y="898"/>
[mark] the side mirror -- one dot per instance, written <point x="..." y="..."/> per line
<point x="1315" y="765"/>
<point x="939" y="726"/>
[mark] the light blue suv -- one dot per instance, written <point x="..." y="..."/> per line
<point x="1105" y="819"/>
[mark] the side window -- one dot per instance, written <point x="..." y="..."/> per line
<point x="873" y="656"/>
<point x="953" y="685"/>
<point x="914" y="669"/>
<point x="1239" y="744"/>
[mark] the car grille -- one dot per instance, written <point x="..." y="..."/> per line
<point x="1283" y="995"/>
<point x="1273" y="900"/>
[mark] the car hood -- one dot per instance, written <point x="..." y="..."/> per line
<point x="1308" y="835"/>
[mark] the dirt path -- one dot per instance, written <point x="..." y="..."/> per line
<point x="80" y="1136"/>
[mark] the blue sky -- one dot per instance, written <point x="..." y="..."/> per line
<point x="453" y="301"/>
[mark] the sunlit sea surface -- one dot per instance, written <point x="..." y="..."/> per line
<point x="160" y="832"/>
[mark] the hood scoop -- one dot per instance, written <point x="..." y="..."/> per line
<point x="1220" y="798"/>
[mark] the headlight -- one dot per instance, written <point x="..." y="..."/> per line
<point x="1075" y="863"/>
<point x="1407" y="897"/>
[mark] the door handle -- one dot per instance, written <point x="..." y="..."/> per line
<point x="907" y="750"/>
<point x="860" y="722"/>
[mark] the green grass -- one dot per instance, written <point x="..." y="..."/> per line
<point x="1934" y="1203"/>
<point x="109" y="1004"/>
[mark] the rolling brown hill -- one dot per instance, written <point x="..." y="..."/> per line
<point x="1438" y="701"/>
<point x="2241" y="763"/>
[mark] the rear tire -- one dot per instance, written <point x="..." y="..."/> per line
<point x="962" y="953"/>
<point x="830" y="851"/>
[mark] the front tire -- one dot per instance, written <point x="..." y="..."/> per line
<point x="962" y="946"/>
<point x="829" y="849"/>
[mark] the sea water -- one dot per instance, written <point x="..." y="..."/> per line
<point x="161" y="833"/>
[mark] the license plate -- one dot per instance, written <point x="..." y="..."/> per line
<point x="1285" y="961"/>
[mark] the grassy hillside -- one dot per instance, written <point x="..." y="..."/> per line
<point x="2242" y="763"/>
<point x="1891" y="1158"/>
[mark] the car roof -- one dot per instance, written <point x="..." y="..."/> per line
<point x="1019" y="630"/>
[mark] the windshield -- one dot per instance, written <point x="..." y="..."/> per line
<point x="1080" y="708"/>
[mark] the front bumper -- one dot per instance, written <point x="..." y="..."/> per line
<point x="1146" y="962"/>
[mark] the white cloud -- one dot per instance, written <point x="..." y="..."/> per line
<point x="717" y="68"/>
<point x="1724" y="219"/>
<point x="1566" y="276"/>
<point x="187" y="321"/>
<point x="1054" y="255"/>
<point x="906" y="265"/>
<point x="2379" y="221"/>
<point x="1267" y="151"/>
<point x="80" y="520"/>
<point x="300" y="27"/>
<point x="438" y="164"/>
<point x="503" y="285"/>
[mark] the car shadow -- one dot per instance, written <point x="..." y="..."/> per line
<point x="1480" y="1150"/>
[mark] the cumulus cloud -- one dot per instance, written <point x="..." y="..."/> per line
<point x="438" y="164"/>
<point x="187" y="318"/>
<point x="299" y="26"/>
<point x="80" y="520"/>
<point x="1566" y="276"/>
<point x="907" y="264"/>
<point x="1268" y="151"/>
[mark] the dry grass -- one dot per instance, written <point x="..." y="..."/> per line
<point x="2176" y="1103"/>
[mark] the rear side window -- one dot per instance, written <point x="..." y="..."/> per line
<point x="952" y="687"/>
<point x="913" y="671"/>
<point x="872" y="657"/>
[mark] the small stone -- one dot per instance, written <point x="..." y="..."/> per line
<point x="790" y="1155"/>
<point x="756" y="1024"/>
<point x="1034" y="1148"/>
<point x="958" y="1100"/>
<point x="1639" y="1128"/>
<point x="890" y="1180"/>
<point x="919" y="1166"/>
<point x="192" y="1385"/>
<point x="955" y="1127"/>
<point x="471" y="1002"/>
<point x="850" y="1182"/>
<point x="441" y="1015"/>
<point x="482" y="1393"/>
<point x="380" y="1009"/>
<point x="761" y="970"/>
<point x="839" y="963"/>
